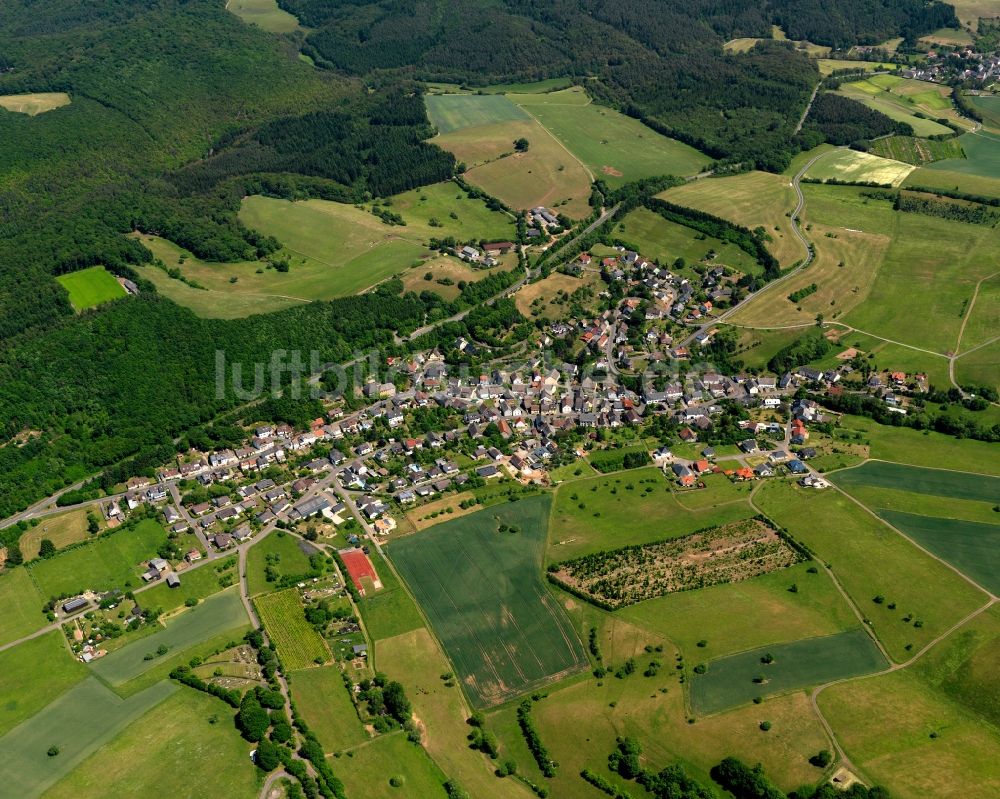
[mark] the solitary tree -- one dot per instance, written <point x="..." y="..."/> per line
<point x="521" y="145"/>
<point x="46" y="549"/>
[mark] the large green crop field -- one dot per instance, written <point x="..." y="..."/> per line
<point x="299" y="645"/>
<point x="32" y="674"/>
<point x="618" y="149"/>
<point x="982" y="156"/>
<point x="732" y="680"/>
<point x="451" y="112"/>
<point x="90" y="287"/>
<point x="78" y="723"/>
<point x="217" y="614"/>
<point x="114" y="560"/>
<point x="483" y="592"/>
<point x="938" y="482"/>
<point x="626" y="508"/>
<point x="870" y="559"/>
<point x="175" y="744"/>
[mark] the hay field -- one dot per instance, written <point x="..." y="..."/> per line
<point x="483" y="592"/>
<point x="91" y="287"/>
<point x="34" y="104"/>
<point x="552" y="297"/>
<point x="751" y="199"/>
<point x="265" y="14"/>
<point x="451" y="112"/>
<point x="857" y="167"/>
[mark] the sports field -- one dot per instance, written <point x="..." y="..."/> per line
<point x="857" y="167"/>
<point x="114" y="560"/>
<point x="752" y="199"/>
<point x="982" y="156"/>
<point x="616" y="148"/>
<point x="34" y="673"/>
<point x="361" y="571"/>
<point x="547" y="174"/>
<point x="917" y="151"/>
<point x="89" y="287"/>
<point x="284" y="553"/>
<point x="299" y="645"/>
<point x="265" y="14"/>
<point x="173" y="744"/>
<point x="451" y="112"/>
<point x="735" y="680"/>
<point x="78" y="723"/>
<point x="483" y="592"/>
<point x="634" y="507"/>
<point x="656" y="238"/>
<point x="937" y="482"/>
<point x="22" y="605"/>
<point x="325" y="703"/>
<point x="217" y="614"/>
<point x="34" y="104"/>
<point x="870" y="559"/>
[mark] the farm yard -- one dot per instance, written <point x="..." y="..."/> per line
<point x="736" y="679"/>
<point x="857" y="167"/>
<point x="729" y="553"/>
<point x="505" y="635"/>
<point x="91" y="287"/>
<point x="33" y="104"/>
<point x="299" y="645"/>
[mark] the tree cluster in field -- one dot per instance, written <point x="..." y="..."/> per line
<point x="534" y="740"/>
<point x="386" y="702"/>
<point x="805" y="349"/>
<point x="616" y="460"/>
<point x="671" y="782"/>
<point x="802" y="293"/>
<point x="955" y="211"/>
<point x="750" y="782"/>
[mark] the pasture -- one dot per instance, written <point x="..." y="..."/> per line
<point x="218" y="614"/>
<point x="447" y="271"/>
<point x="954" y="37"/>
<point x="79" y="722"/>
<point x="451" y="112"/>
<point x="980" y="367"/>
<point x="870" y="559"/>
<point x="856" y="167"/>
<point x="735" y="680"/>
<point x="616" y="148"/>
<point x="366" y="773"/>
<point x="554" y="297"/>
<point x="657" y="238"/>
<point x="971" y="547"/>
<point x="33" y="104"/>
<point x="34" y="673"/>
<point x="969" y="12"/>
<point x="547" y="174"/>
<point x="265" y="14"/>
<point x="175" y="740"/>
<point x="90" y="287"/>
<point x="325" y="704"/>
<point x="22" y="605"/>
<point x="299" y="645"/>
<point x="939" y="178"/>
<point x="415" y="659"/>
<point x="982" y="156"/>
<point x="627" y="508"/>
<point x="112" y="560"/>
<point x="752" y="199"/>
<point x="923" y="744"/>
<point x="62" y="530"/>
<point x="285" y="554"/>
<point x="483" y="592"/>
<point x="827" y="66"/>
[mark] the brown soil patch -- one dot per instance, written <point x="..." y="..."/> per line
<point x="610" y="170"/>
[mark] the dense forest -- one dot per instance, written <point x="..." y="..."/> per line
<point x="841" y="120"/>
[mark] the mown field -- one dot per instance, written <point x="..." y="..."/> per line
<point x="173" y="744"/>
<point x="857" y="167"/>
<point x="90" y="287"/>
<point x="324" y="702"/>
<point x="634" y="507"/>
<point x="656" y="238"/>
<point x="370" y="767"/>
<point x="980" y="368"/>
<point x="752" y="199"/>
<point x="299" y="645"/>
<point x="871" y="560"/>
<point x="551" y="296"/>
<point x="114" y="560"/>
<point x="79" y="722"/>
<point x="452" y="271"/>
<point x="735" y="680"/>
<point x="217" y="614"/>
<point x="265" y="14"/>
<point x="33" y="104"/>
<point x="616" y="148"/>
<point x="828" y="65"/>
<point x="62" y="530"/>
<point x="916" y="151"/>
<point x="483" y="592"/>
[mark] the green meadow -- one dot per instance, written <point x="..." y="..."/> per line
<point x="22" y="605"/>
<point x="389" y="611"/>
<point x="451" y="112"/>
<point x="325" y="703"/>
<point x="265" y="14"/>
<point x="91" y="287"/>
<point x="282" y="552"/>
<point x="735" y="680"/>
<point x="982" y="156"/>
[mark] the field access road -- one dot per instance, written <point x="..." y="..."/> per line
<point x="797" y="230"/>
